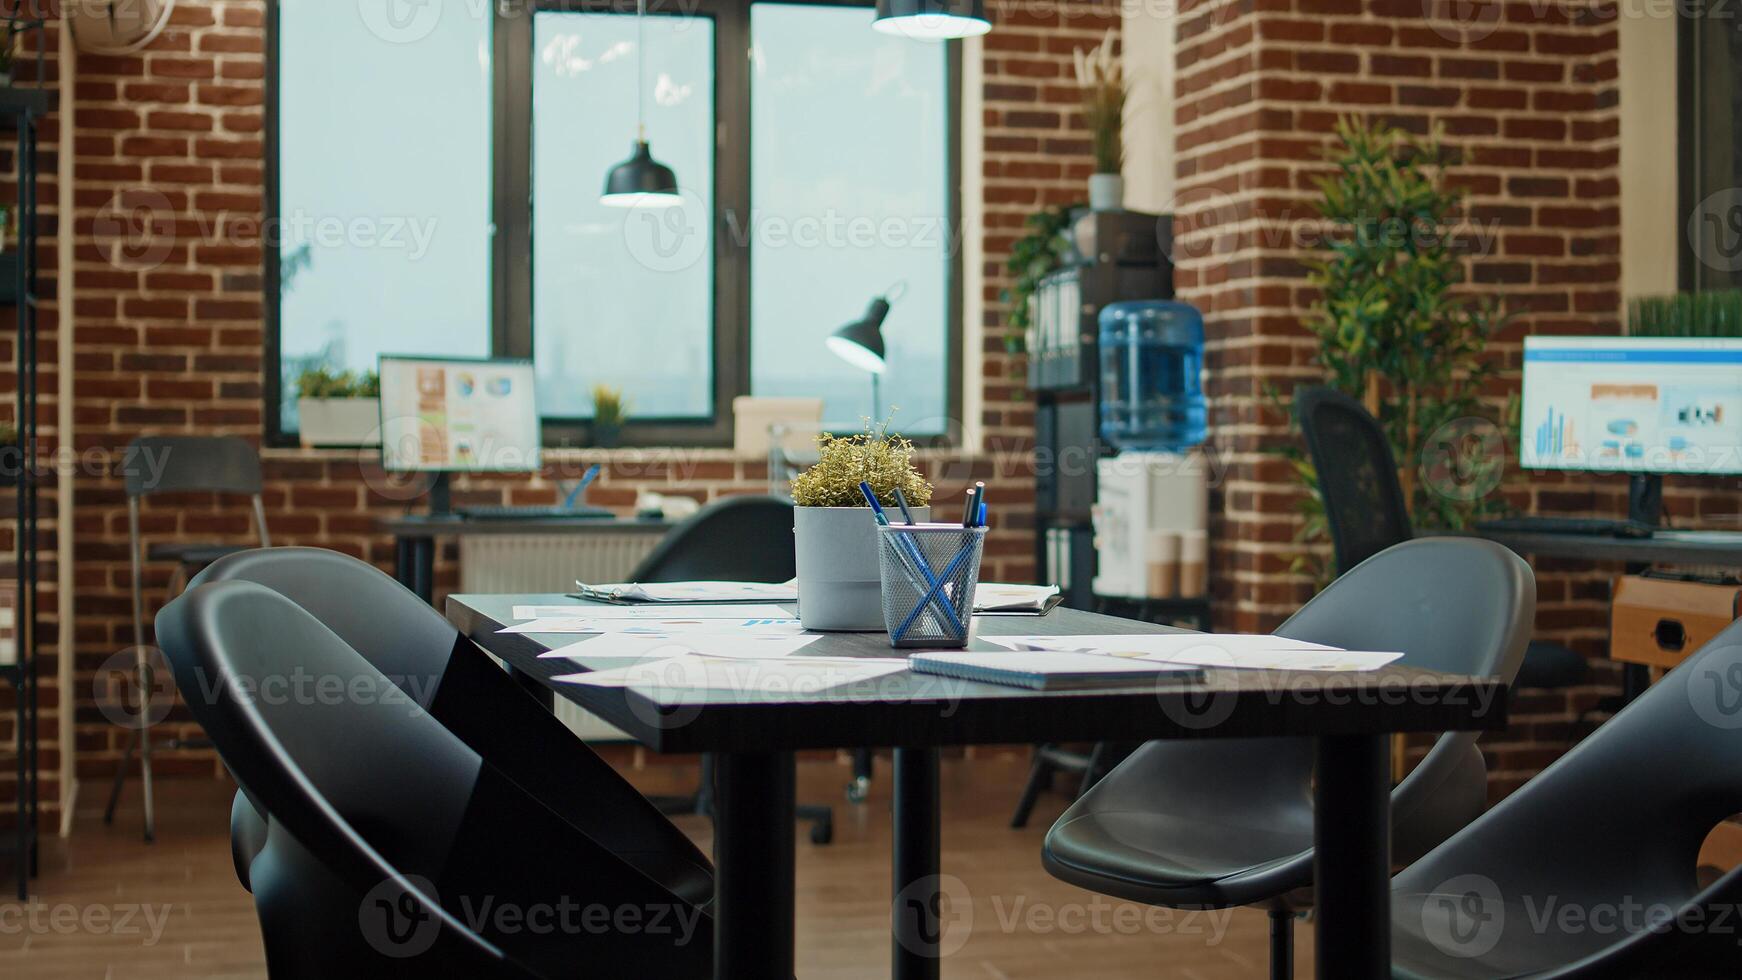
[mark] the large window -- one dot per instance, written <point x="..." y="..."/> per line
<point x="816" y="166"/>
<point x="383" y="190"/>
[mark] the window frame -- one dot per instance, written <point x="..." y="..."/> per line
<point x="513" y="252"/>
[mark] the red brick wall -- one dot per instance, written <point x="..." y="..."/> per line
<point x="170" y="326"/>
<point x="1528" y="94"/>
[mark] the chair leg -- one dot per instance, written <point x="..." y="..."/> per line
<point x="1281" y="944"/>
<point x="1039" y="778"/>
<point x="863" y="768"/>
<point x="120" y="777"/>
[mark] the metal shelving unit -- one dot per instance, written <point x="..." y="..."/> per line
<point x="20" y="112"/>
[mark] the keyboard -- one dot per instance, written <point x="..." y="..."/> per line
<point x="1591" y="527"/>
<point x="534" y="513"/>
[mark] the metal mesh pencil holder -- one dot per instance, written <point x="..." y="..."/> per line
<point x="929" y="573"/>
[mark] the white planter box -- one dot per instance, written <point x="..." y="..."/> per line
<point x="339" y="421"/>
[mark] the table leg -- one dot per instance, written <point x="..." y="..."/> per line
<point x="1352" y="857"/>
<point x="753" y="865"/>
<point x="916" y="913"/>
<point x="414" y="565"/>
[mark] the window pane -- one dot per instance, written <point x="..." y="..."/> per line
<point x="621" y="296"/>
<point x="849" y="171"/>
<point x="384" y="185"/>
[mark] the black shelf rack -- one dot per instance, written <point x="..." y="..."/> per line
<point x="1122" y="255"/>
<point x="20" y="112"/>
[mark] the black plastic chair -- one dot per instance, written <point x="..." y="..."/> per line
<point x="1230" y="822"/>
<point x="737" y="539"/>
<point x="1611" y="831"/>
<point x="175" y="464"/>
<point x="1366" y="512"/>
<point x="465" y="691"/>
<point x="388" y="834"/>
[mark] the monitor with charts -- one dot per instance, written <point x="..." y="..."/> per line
<point x="1632" y="404"/>
<point x="453" y="415"/>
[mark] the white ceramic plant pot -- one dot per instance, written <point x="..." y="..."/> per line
<point x="839" y="584"/>
<point x="1106" y="192"/>
<point x="339" y="421"/>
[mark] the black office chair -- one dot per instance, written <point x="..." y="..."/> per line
<point x="445" y="674"/>
<point x="737" y="539"/>
<point x="175" y="464"/>
<point x="1612" y="826"/>
<point x="1221" y="823"/>
<point x="391" y="841"/>
<point x="1366" y="512"/>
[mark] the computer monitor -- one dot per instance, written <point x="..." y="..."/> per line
<point x="443" y="415"/>
<point x="1638" y="405"/>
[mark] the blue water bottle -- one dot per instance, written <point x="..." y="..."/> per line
<point x="1152" y="393"/>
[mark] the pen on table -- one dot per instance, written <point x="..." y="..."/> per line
<point x="581" y="487"/>
<point x="968" y="510"/>
<point x="901" y="501"/>
<point x="980" y="509"/>
<point x="905" y="544"/>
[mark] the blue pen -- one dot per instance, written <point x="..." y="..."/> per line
<point x="980" y="521"/>
<point x="586" y="478"/>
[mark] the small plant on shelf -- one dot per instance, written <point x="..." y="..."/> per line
<point x="1033" y="257"/>
<point x="610" y="410"/>
<point x="1101" y="80"/>
<point x="338" y="408"/>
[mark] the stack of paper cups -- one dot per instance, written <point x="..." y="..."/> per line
<point x="1163" y="564"/>
<point x="1194" y="563"/>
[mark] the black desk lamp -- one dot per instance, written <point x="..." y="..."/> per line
<point x="860" y="343"/>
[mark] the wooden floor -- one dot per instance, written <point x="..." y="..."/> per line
<point x="108" y="906"/>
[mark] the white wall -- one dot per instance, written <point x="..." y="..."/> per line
<point x="1147" y="34"/>
<point x="1648" y="148"/>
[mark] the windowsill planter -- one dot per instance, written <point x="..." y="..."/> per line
<point x="339" y="421"/>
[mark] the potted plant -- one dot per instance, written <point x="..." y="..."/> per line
<point x="1101" y="79"/>
<point x="839" y="586"/>
<point x="338" y="408"/>
<point x="610" y="408"/>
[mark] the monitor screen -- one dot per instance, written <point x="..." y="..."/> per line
<point x="462" y="415"/>
<point x="1632" y="404"/>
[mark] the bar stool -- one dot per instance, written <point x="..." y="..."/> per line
<point x="176" y="464"/>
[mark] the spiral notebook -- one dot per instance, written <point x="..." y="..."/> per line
<point x="1046" y="671"/>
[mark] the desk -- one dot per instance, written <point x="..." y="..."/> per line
<point x="414" y="538"/>
<point x="1667" y="547"/>
<point x="754" y="737"/>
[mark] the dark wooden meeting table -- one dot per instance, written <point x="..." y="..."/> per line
<point x="753" y="736"/>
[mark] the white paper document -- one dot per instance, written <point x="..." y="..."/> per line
<point x="692" y="591"/>
<point x="1237" y="650"/>
<point x="795" y="676"/>
<point x="596" y="610"/>
<point x="997" y="597"/>
<point x="664" y="626"/>
<point x="644" y="647"/>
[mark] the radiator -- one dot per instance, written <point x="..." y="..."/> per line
<point x="552" y="563"/>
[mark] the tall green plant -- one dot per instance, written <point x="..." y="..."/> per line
<point x="1391" y="330"/>
<point x="1033" y="257"/>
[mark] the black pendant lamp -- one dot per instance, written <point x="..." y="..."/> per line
<point x="640" y="181"/>
<point x="932" y="20"/>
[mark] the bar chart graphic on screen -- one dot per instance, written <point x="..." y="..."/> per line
<point x="1633" y="404"/>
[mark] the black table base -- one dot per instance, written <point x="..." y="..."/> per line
<point x="754" y="902"/>
<point x="916" y="912"/>
<point x="1352" y="857"/>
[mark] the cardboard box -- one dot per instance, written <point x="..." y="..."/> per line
<point x="1661" y="622"/>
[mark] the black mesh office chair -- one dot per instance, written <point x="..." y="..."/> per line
<point x="388" y="834"/>
<point x="1609" y="831"/>
<point x="175" y="464"/>
<point x="1366" y="513"/>
<point x="737" y="539"/>
<point x="445" y="674"/>
<point x="1228" y="822"/>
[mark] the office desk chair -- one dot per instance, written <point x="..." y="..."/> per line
<point x="175" y="464"/>
<point x="1227" y="822"/>
<point x="737" y="539"/>
<point x="387" y="833"/>
<point x="445" y="674"/>
<point x="1613" y="825"/>
<point x="1366" y="513"/>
